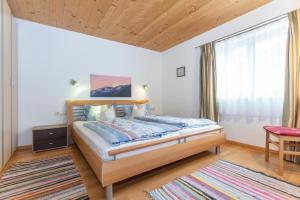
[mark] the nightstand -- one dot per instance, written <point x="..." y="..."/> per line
<point x="49" y="137"/>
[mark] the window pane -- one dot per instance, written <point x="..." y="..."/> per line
<point x="250" y="71"/>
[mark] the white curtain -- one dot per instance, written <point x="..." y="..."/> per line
<point x="250" y="72"/>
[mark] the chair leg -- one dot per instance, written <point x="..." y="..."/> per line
<point x="281" y="161"/>
<point x="267" y="149"/>
<point x="109" y="192"/>
<point x="218" y="149"/>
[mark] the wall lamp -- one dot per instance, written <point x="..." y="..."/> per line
<point x="74" y="83"/>
<point x="145" y="87"/>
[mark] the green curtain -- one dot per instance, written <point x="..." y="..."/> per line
<point x="291" y="110"/>
<point x="208" y="83"/>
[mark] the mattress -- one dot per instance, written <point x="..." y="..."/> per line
<point x="102" y="147"/>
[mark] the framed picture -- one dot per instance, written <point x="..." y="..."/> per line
<point x="180" y="71"/>
<point x="110" y="86"/>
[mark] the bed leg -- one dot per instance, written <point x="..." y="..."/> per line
<point x="218" y="149"/>
<point x="109" y="192"/>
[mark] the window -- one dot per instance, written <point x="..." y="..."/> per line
<point x="250" y="72"/>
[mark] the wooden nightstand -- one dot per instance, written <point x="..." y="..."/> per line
<point x="49" y="137"/>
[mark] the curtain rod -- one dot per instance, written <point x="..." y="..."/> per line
<point x="251" y="28"/>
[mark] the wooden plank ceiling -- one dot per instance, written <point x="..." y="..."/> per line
<point x="152" y="24"/>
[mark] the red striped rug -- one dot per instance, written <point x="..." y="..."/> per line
<point x="224" y="180"/>
<point x="54" y="178"/>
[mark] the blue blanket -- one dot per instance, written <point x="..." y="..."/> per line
<point x="120" y="130"/>
<point x="176" y="121"/>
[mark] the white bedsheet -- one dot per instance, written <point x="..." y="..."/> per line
<point x="102" y="147"/>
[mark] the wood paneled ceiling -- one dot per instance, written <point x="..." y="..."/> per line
<point x="152" y="24"/>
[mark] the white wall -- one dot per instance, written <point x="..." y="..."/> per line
<point x="179" y="93"/>
<point x="49" y="57"/>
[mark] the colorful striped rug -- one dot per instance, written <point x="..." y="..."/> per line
<point x="54" y="178"/>
<point x="224" y="180"/>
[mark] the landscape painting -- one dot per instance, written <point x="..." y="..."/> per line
<point x="110" y="86"/>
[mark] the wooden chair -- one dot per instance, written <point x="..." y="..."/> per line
<point x="285" y="136"/>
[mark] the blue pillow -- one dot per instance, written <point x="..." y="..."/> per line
<point x="148" y="109"/>
<point x="124" y="110"/>
<point x="91" y="113"/>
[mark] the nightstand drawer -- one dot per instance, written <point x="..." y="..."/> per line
<point x="44" y="144"/>
<point x="49" y="133"/>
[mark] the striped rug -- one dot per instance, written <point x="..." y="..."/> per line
<point x="224" y="180"/>
<point x="54" y="178"/>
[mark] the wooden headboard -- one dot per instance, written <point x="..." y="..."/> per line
<point x="74" y="106"/>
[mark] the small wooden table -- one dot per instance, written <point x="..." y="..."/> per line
<point x="286" y="136"/>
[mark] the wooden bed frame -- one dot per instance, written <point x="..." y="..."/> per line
<point x="110" y="172"/>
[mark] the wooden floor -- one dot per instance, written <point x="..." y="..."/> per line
<point x="136" y="187"/>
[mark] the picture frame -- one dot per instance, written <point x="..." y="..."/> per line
<point x="180" y="71"/>
<point x="109" y="86"/>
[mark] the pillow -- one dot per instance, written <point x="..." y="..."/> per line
<point x="91" y="113"/>
<point x="139" y="110"/>
<point x="123" y="110"/>
<point x="108" y="113"/>
<point x="148" y="109"/>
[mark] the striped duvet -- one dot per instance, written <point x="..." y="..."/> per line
<point x="177" y="121"/>
<point x="121" y="130"/>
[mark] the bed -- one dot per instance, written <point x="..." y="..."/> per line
<point x="112" y="164"/>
